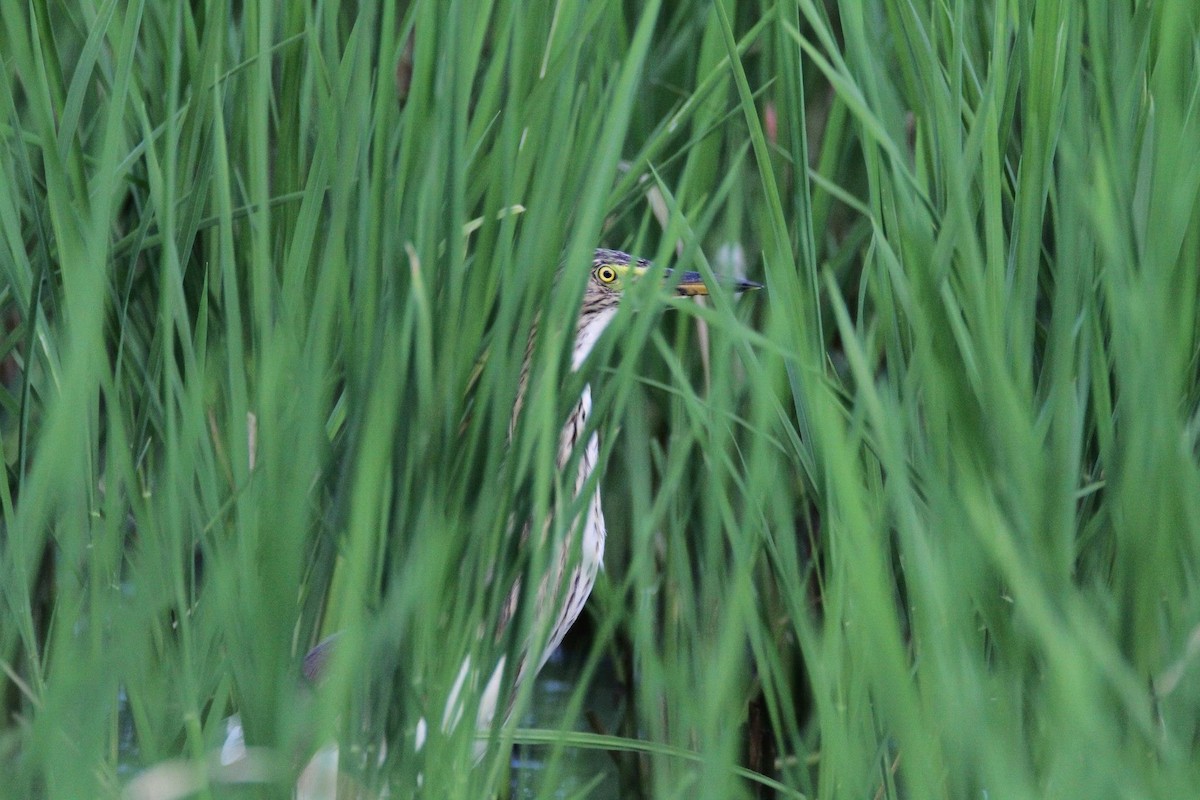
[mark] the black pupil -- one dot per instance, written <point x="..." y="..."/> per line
<point x="606" y="274"/>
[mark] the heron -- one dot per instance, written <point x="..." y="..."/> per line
<point x="573" y="567"/>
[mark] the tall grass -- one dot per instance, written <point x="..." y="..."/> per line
<point x="921" y="520"/>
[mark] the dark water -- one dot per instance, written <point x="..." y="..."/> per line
<point x="577" y="768"/>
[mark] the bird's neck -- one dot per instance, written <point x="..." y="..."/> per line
<point x="587" y="333"/>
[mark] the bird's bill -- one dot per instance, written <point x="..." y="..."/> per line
<point x="692" y="285"/>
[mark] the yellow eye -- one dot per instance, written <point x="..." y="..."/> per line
<point x="606" y="274"/>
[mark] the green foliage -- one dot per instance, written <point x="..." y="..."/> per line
<point x="920" y="520"/>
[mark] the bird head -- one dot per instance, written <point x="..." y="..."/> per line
<point x="613" y="272"/>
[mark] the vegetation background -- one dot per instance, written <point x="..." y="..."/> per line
<point x="920" y="520"/>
